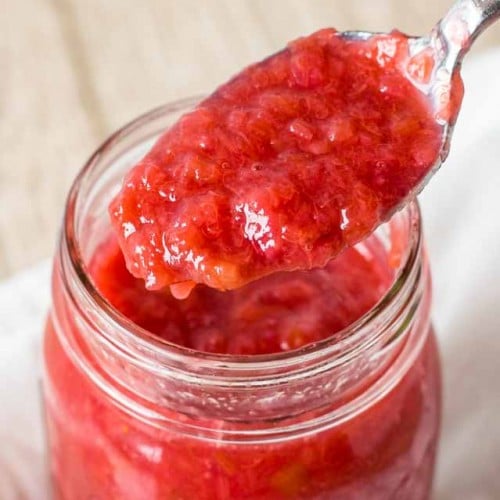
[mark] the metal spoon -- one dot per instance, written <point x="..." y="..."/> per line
<point x="447" y="44"/>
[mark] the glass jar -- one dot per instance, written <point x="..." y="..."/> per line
<point x="130" y="416"/>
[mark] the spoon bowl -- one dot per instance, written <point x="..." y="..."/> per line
<point x="433" y="62"/>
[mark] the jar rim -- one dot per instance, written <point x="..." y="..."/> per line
<point x="343" y="345"/>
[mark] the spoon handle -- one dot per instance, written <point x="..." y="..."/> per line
<point x="462" y="24"/>
<point x="489" y="11"/>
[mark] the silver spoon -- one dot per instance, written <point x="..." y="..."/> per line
<point x="447" y="44"/>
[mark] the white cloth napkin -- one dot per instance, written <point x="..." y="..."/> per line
<point x="463" y="232"/>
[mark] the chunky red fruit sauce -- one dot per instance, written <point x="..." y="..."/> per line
<point x="280" y="312"/>
<point x="282" y="167"/>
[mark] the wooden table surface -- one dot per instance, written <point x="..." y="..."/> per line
<point x="72" y="71"/>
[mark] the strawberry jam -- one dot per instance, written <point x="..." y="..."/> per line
<point x="294" y="159"/>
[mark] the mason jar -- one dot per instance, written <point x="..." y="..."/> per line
<point x="133" y="417"/>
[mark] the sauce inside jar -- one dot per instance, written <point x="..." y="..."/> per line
<point x="279" y="312"/>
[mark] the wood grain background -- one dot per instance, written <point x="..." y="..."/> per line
<point x="72" y="71"/>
